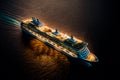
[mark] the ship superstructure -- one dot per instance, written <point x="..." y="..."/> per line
<point x="68" y="45"/>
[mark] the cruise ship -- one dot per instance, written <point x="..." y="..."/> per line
<point x="68" y="45"/>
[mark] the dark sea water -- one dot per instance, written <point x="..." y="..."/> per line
<point x="25" y="58"/>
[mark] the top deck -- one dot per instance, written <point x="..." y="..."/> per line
<point x="66" y="39"/>
<point x="49" y="31"/>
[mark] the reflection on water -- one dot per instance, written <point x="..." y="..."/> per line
<point x="44" y="62"/>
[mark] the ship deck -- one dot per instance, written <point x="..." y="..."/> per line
<point x="56" y="46"/>
<point x="61" y="37"/>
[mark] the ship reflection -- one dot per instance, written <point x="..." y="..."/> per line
<point x="43" y="62"/>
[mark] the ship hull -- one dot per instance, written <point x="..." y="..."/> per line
<point x="48" y="44"/>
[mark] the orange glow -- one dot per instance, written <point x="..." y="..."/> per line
<point x="47" y="29"/>
<point x="39" y="49"/>
<point x="92" y="58"/>
<point x="42" y="60"/>
<point x="26" y="20"/>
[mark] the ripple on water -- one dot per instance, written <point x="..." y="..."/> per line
<point x="43" y="62"/>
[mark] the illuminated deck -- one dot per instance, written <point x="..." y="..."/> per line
<point x="43" y="39"/>
<point x="62" y="42"/>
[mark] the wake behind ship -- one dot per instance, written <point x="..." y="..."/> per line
<point x="68" y="45"/>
